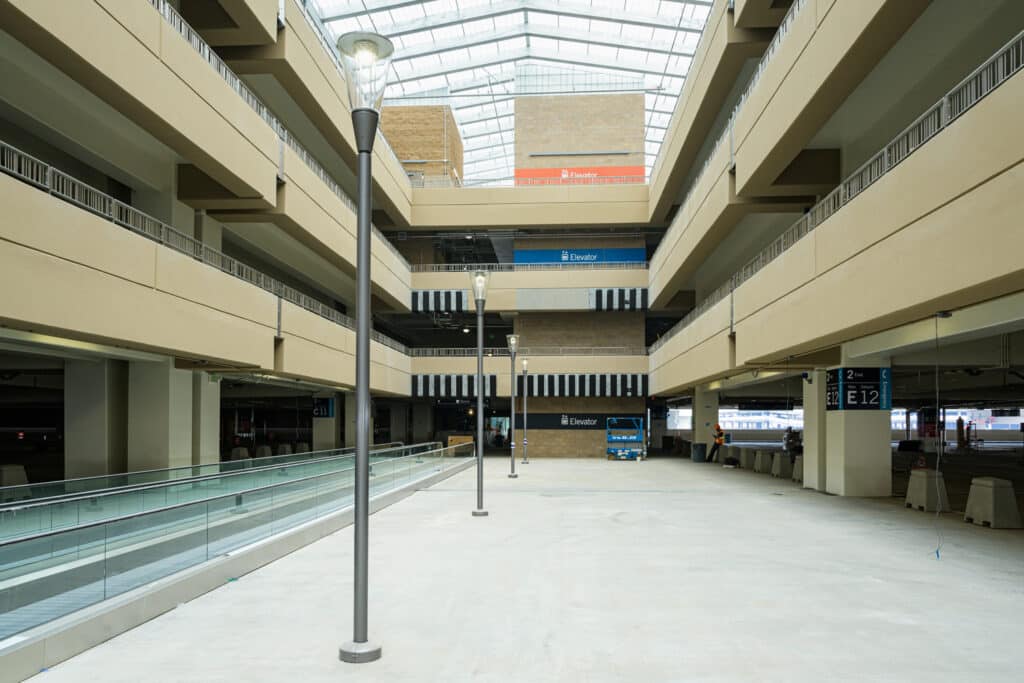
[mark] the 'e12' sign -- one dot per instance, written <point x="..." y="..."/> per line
<point x="858" y="389"/>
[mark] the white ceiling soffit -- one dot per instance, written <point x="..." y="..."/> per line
<point x="473" y="54"/>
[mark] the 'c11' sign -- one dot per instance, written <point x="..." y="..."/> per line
<point x="858" y="389"/>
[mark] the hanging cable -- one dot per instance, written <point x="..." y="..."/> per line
<point x="940" y="442"/>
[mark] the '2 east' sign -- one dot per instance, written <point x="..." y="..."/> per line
<point x="858" y="389"/>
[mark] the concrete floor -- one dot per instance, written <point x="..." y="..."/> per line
<point x="664" y="570"/>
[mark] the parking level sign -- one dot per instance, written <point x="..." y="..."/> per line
<point x="858" y="389"/>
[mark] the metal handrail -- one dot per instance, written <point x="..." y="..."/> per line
<point x="104" y="493"/>
<point x="461" y="352"/>
<point x="247" y="465"/>
<point x="16" y="163"/>
<point x="995" y="71"/>
<point x="196" y="41"/>
<point x="515" y="267"/>
<point x="727" y="133"/>
<point x="310" y="13"/>
<point x="443" y="181"/>
<point x="176" y="506"/>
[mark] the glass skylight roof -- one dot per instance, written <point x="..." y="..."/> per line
<point x="478" y="55"/>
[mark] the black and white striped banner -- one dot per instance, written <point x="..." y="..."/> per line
<point x="452" y="386"/>
<point x="619" y="299"/>
<point x="596" y="385"/>
<point x="440" y="300"/>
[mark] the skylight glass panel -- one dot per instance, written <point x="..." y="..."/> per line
<point x="579" y="45"/>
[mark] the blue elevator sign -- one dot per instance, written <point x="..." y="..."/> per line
<point x="858" y="389"/>
<point x="621" y="255"/>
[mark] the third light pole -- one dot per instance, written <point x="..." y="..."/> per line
<point x="513" y="345"/>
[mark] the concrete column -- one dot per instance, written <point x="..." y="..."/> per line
<point x="205" y="418"/>
<point x="95" y="417"/>
<point x="705" y="415"/>
<point x="814" y="432"/>
<point x="400" y="422"/>
<point x="350" y="420"/>
<point x="327" y="430"/>
<point x="858" y="450"/>
<point x="159" y="416"/>
<point x="423" y="421"/>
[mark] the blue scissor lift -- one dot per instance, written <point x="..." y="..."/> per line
<point x="625" y="437"/>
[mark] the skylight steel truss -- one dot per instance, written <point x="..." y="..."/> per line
<point x="467" y="53"/>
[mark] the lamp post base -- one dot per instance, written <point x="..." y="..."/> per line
<point x="479" y="513"/>
<point x="525" y="462"/>
<point x="513" y="476"/>
<point x="359" y="653"/>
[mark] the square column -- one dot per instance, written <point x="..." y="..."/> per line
<point x="705" y="415"/>
<point x="159" y="416"/>
<point x="327" y="428"/>
<point x="205" y="418"/>
<point x="423" y="421"/>
<point x="858" y="460"/>
<point x="95" y="417"/>
<point x="814" y="432"/>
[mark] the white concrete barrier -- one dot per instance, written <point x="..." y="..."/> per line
<point x="782" y="465"/>
<point x="747" y="457"/>
<point x="763" y="462"/>
<point x="798" y="470"/>
<point x="992" y="503"/>
<point x="927" y="491"/>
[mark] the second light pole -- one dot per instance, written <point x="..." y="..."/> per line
<point x="513" y="345"/>
<point x="480" y="294"/>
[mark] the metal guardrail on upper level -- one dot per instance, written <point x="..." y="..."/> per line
<point x="462" y="352"/>
<point x="35" y="172"/>
<point x="443" y="181"/>
<point x="206" y="52"/>
<point x="726" y="136"/>
<point x="990" y="75"/>
<point x="517" y="267"/>
<point x="312" y="16"/>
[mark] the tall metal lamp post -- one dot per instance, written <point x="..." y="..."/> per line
<point x="526" y="393"/>
<point x="513" y="345"/>
<point x="480" y="294"/>
<point x="365" y="57"/>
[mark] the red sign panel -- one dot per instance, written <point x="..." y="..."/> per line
<point x="581" y="175"/>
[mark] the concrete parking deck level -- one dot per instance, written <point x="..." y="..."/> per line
<point x="588" y="570"/>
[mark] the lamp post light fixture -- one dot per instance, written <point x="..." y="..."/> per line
<point x="366" y="58"/>
<point x="480" y="295"/>
<point x="526" y="393"/>
<point x="513" y="345"/>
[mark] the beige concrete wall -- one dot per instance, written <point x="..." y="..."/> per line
<point x="427" y="134"/>
<point x="579" y="123"/>
<point x="591" y="328"/>
<point x="519" y="206"/>
<point x="575" y="443"/>
<point x="317" y="349"/>
<point x="147" y="71"/>
<point x="71" y="273"/>
<point x="720" y="56"/>
<point x="829" y="48"/>
<point x="253" y="22"/>
<point x="300" y="63"/>
<point x="699" y="352"/>
<point x="899" y="250"/>
<point x="309" y="211"/>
